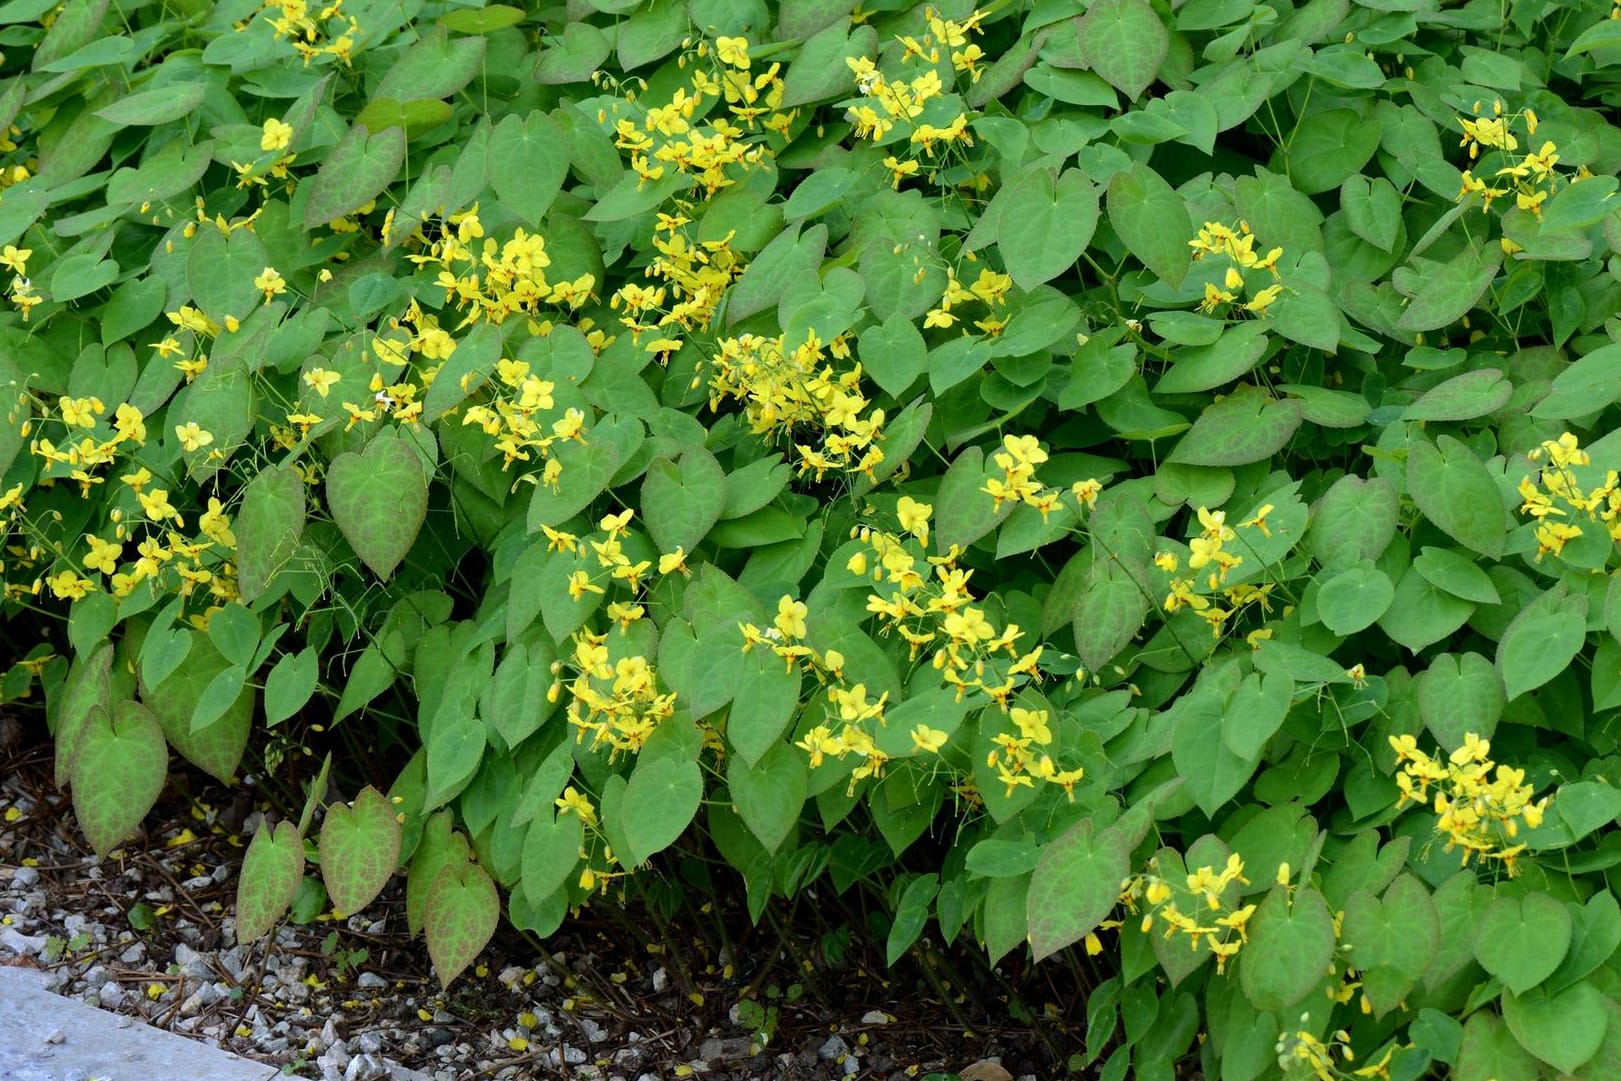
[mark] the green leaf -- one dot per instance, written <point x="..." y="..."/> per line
<point x="1585" y="387"/>
<point x="1563" y="1029"/>
<point x="119" y="769"/>
<point x="528" y="164"/>
<point x="1456" y="492"/>
<point x="765" y="698"/>
<point x="1459" y="694"/>
<point x="455" y="749"/>
<point x="1328" y="147"/>
<point x="1372" y="208"/>
<point x="587" y="469"/>
<point x="1211" y="772"/>
<point x="80" y="275"/>
<point x="355" y="172"/>
<point x="1248" y="425"/>
<point x="360" y="848"/>
<point x="379" y="499"/>
<point x="1604" y="34"/>
<point x="1352" y="599"/>
<point x="1290" y="947"/>
<point x="1521" y="940"/>
<point x="1230" y="357"/>
<point x="1489" y="1052"/>
<point x="1152" y="220"/>
<point x="551" y="851"/>
<point x="484" y="20"/>
<point x="769" y="794"/>
<point x="440" y="847"/>
<point x="1075" y="886"/>
<point x="574" y="55"/>
<point x="148" y="108"/>
<point x="1047" y="224"/>
<point x="290" y="684"/>
<point x="910" y="915"/>
<point x="1255" y="712"/>
<point x="516" y="701"/>
<point x="1463" y="397"/>
<point x="459" y="918"/>
<point x="682" y="500"/>
<point x="217" y="748"/>
<point x="1109" y="612"/>
<point x="661" y="799"/>
<point x="464" y="373"/>
<point x="1393" y="940"/>
<point x="268" y="528"/>
<point x="1354" y="521"/>
<point x="1444" y="293"/>
<point x="1123" y="41"/>
<point x="271" y="871"/>
<point x="1457" y="574"/>
<point x="963" y="510"/>
<point x="1542" y="640"/>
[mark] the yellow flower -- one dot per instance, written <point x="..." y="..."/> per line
<point x="270" y="282"/>
<point x="321" y="380"/>
<point x="790" y="619"/>
<point x="914" y="517"/>
<point x="277" y="134"/>
<point x="103" y="555"/>
<point x="158" y="508"/>
<point x="928" y="740"/>
<point x="733" y="51"/>
<point x="674" y="561"/>
<point x="572" y="800"/>
<point x="128" y="422"/>
<point x="69" y="586"/>
<point x="192" y="437"/>
<point x="15" y="258"/>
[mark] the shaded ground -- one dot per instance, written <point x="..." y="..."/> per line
<point x="144" y="933"/>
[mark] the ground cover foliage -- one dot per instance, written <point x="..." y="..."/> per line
<point x="1134" y="485"/>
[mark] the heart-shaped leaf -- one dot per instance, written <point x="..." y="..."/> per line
<point x="441" y="846"/>
<point x="659" y="801"/>
<point x="120" y="768"/>
<point x="460" y="918"/>
<point x="271" y="871"/>
<point x="87" y="687"/>
<point x="267" y="528"/>
<point x="1075" y="886"/>
<point x="354" y="172"/>
<point x="215" y="748"/>
<point x="551" y="850"/>
<point x="379" y="499"/>
<point x="1563" y="1030"/>
<point x="681" y="500"/>
<point x="360" y="847"/>
<point x="1521" y="940"/>
<point x="770" y="793"/>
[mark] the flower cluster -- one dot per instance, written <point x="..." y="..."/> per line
<point x="1018" y="459"/>
<point x="492" y="281"/>
<point x="795" y="394"/>
<point x="718" y="153"/>
<point x="1556" y="494"/>
<point x="1208" y="550"/>
<point x="886" y="102"/>
<point x="683" y="286"/>
<point x="1203" y="906"/>
<point x="92" y="443"/>
<point x="1532" y="178"/>
<point x="1477" y="810"/>
<point x="1238" y="248"/>
<point x="989" y="289"/>
<point x="1300" y="1051"/>
<point x="616" y="701"/>
<point x="311" y="34"/>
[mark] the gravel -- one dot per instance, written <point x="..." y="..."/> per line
<point x="147" y="933"/>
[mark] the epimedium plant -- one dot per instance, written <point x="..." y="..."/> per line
<point x="1136" y="484"/>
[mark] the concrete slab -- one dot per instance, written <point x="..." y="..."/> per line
<point x="45" y="1037"/>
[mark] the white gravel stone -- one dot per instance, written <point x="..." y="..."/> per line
<point x="25" y="876"/>
<point x="19" y="943"/>
<point x="372" y="981"/>
<point x="876" y="1017"/>
<point x="832" y="1049"/>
